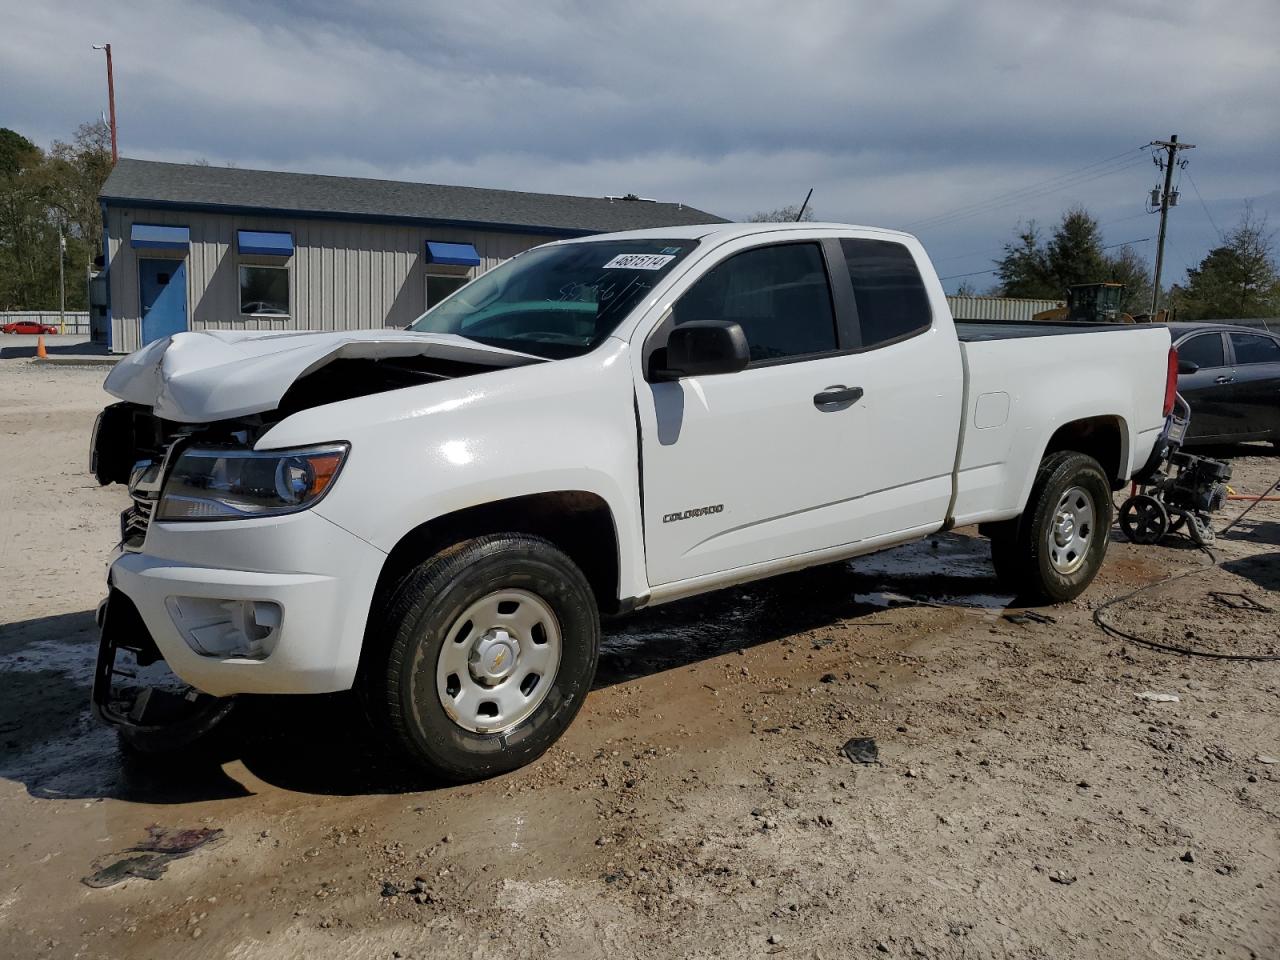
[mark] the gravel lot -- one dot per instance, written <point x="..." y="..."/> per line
<point x="1027" y="803"/>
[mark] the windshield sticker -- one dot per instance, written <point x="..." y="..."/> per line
<point x="670" y="249"/>
<point x="639" y="261"/>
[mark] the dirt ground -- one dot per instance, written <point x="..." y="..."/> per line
<point x="1027" y="802"/>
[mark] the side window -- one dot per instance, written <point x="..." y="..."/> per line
<point x="892" y="303"/>
<point x="1254" y="349"/>
<point x="779" y="295"/>
<point x="1205" y="350"/>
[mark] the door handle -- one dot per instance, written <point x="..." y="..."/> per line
<point x="1224" y="379"/>
<point x="837" y="396"/>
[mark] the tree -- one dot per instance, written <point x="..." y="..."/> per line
<point x="78" y="170"/>
<point x="782" y="215"/>
<point x="1074" y="254"/>
<point x="39" y="195"/>
<point x="1237" y="279"/>
<point x="27" y="243"/>
<point x="16" y="151"/>
<point x="1129" y="267"/>
<point x="1023" y="271"/>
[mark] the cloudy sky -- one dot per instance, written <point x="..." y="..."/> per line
<point x="952" y="118"/>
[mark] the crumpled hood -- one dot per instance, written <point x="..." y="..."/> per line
<point x="203" y="376"/>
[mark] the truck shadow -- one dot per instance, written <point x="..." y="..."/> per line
<point x="323" y="745"/>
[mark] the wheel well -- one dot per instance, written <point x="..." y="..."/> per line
<point x="577" y="522"/>
<point x="1100" y="437"/>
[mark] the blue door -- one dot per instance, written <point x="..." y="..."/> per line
<point x="163" y="287"/>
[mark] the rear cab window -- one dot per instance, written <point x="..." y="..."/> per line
<point x="888" y="289"/>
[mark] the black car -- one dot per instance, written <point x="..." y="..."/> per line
<point x="1231" y="377"/>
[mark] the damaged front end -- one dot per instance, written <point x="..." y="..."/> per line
<point x="184" y="439"/>
<point x="133" y="691"/>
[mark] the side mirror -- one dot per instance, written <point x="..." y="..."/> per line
<point x="1188" y="366"/>
<point x="704" y="347"/>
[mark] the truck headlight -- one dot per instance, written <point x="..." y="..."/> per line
<point x="225" y="483"/>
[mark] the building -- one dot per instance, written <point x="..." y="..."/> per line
<point x="193" y="247"/>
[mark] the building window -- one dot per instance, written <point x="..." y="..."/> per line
<point x="440" y="285"/>
<point x="264" y="291"/>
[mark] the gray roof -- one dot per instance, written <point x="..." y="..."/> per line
<point x="148" y="183"/>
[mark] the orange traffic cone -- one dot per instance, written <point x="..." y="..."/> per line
<point x="40" y="350"/>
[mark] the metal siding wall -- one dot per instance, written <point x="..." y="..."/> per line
<point x="342" y="275"/>
<point x="77" y="320"/>
<point x="999" y="308"/>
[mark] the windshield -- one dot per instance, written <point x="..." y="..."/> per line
<point x="559" y="301"/>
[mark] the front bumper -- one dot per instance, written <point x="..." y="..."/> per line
<point x="318" y="578"/>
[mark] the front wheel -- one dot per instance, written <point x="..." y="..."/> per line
<point x="1052" y="552"/>
<point x="484" y="656"/>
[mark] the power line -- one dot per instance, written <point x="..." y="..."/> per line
<point x="978" y="273"/>
<point x="1031" y="186"/>
<point x="1204" y="205"/>
<point x="1060" y="181"/>
<point x="1135" y="216"/>
<point x="964" y="256"/>
<point x="1026" y="197"/>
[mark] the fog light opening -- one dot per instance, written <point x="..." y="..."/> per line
<point x="227" y="629"/>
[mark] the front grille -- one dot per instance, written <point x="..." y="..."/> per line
<point x="145" y="482"/>
<point x="134" y="522"/>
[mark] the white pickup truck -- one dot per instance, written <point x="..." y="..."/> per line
<point x="438" y="516"/>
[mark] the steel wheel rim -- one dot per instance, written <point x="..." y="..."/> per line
<point x="1071" y="530"/>
<point x="498" y="661"/>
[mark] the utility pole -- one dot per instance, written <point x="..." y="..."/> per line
<point x="62" y="284"/>
<point x="111" y="100"/>
<point x="1171" y="148"/>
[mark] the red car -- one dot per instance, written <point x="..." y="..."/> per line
<point x="28" y="326"/>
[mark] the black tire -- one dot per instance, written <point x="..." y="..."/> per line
<point x="1004" y="552"/>
<point x="399" y="683"/>
<point x="1144" y="520"/>
<point x="1019" y="548"/>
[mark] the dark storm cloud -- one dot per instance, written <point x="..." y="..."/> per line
<point x="894" y="112"/>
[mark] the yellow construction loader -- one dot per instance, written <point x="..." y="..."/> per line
<point x="1098" y="303"/>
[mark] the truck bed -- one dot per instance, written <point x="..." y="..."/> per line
<point x="974" y="330"/>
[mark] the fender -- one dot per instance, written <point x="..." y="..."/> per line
<point x="423" y="452"/>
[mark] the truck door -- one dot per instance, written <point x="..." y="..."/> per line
<point x="762" y="465"/>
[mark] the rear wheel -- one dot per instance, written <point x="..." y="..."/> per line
<point x="1052" y="552"/>
<point x="490" y="648"/>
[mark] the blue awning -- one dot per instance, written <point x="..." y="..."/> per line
<point x="263" y="244"/>
<point x="149" y="236"/>
<point x="452" y="254"/>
